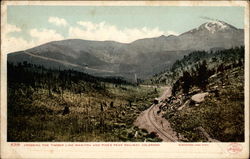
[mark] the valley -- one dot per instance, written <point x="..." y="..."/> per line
<point x="183" y="88"/>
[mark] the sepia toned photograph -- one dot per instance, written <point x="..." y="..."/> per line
<point x="126" y="74"/>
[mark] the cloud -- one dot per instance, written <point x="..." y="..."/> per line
<point x="11" y="28"/>
<point x="172" y="33"/>
<point x="12" y="44"/>
<point x="45" y="35"/>
<point x="104" y="31"/>
<point x="208" y="18"/>
<point x="83" y="30"/>
<point x="58" y="21"/>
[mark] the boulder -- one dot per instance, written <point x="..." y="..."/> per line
<point x="200" y="97"/>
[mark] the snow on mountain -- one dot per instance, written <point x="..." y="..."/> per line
<point x="214" y="26"/>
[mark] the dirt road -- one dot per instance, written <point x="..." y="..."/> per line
<point x="152" y="120"/>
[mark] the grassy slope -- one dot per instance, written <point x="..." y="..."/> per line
<point x="35" y="116"/>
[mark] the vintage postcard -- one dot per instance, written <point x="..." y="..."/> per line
<point x="92" y="79"/>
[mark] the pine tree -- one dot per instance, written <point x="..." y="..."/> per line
<point x="202" y="75"/>
<point x="186" y="82"/>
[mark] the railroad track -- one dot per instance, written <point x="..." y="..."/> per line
<point x="160" y="131"/>
<point x="66" y="63"/>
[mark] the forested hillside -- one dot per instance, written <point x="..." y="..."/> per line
<point x="66" y="105"/>
<point x="207" y="102"/>
<point x="215" y="59"/>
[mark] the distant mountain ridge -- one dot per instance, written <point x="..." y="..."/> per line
<point x="143" y="57"/>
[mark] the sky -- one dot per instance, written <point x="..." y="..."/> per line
<point x="29" y="26"/>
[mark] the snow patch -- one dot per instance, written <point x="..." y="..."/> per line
<point x="214" y="26"/>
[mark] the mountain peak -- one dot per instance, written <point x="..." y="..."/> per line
<point x="216" y="25"/>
